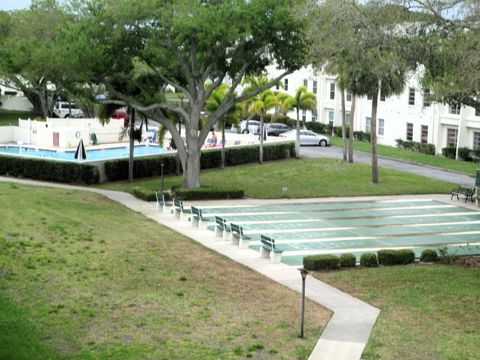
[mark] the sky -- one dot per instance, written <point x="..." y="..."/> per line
<point x="14" y="4"/>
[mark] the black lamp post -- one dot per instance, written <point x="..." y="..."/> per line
<point x="304" y="274"/>
<point x="161" y="173"/>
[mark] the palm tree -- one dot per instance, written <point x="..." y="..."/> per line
<point x="232" y="117"/>
<point x="260" y="104"/>
<point x="304" y="100"/>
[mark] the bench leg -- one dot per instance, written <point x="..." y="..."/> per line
<point x="275" y="258"/>
<point x="178" y="214"/>
<point x="158" y="206"/>
<point x="195" y="221"/>
<point x="234" y="240"/>
<point x="244" y="243"/>
<point x="203" y="225"/>
<point x="226" y="235"/>
<point x="218" y="232"/>
<point x="264" y="253"/>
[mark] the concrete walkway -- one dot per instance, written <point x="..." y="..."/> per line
<point x="347" y="332"/>
<point x="335" y="152"/>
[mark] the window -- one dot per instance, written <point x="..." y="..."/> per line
<point x="477" y="112"/>
<point x="277" y="87"/>
<point x="347" y="117"/>
<point x="476" y="140"/>
<point x="349" y="96"/>
<point x="286" y="84"/>
<point x="304" y="115"/>
<point x="381" y="127"/>
<point x="314" y="118"/>
<point x="315" y="83"/>
<point x="424" y="138"/>
<point x="426" y="98"/>
<point x="382" y="96"/>
<point x="305" y="83"/>
<point x="409" y="131"/>
<point x="368" y="125"/>
<point x="455" y="109"/>
<point x="331" y="117"/>
<point x="411" y="96"/>
<point x="452" y="137"/>
<point x="332" y="91"/>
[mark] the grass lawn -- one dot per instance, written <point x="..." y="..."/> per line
<point x="82" y="277"/>
<point x="428" y="312"/>
<point x="8" y="117"/>
<point x="304" y="178"/>
<point x="425" y="159"/>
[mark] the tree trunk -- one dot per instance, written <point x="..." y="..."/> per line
<point x="374" y="139"/>
<point x="34" y="98"/>
<point x="352" y="123"/>
<point x="260" y="159"/>
<point x="344" y="130"/>
<point x="191" y="164"/>
<point x="297" y="142"/>
<point x="223" y="143"/>
<point x="132" y="144"/>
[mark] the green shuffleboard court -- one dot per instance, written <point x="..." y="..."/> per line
<point x="356" y="227"/>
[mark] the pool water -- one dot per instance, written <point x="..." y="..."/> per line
<point x="92" y="155"/>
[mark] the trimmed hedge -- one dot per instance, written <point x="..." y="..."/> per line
<point x="396" y="257"/>
<point x="416" y="146"/>
<point x="429" y="255"/>
<point x="369" y="260"/>
<point x="49" y="170"/>
<point x="151" y="166"/>
<point x="321" y="262"/>
<point x="362" y="136"/>
<point x="449" y="152"/>
<point x="348" y="260"/>
<point x="207" y="194"/>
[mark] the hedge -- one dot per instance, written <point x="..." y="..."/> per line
<point x="348" y="260"/>
<point x="396" y="257"/>
<point x="49" y="170"/>
<point x="321" y="262"/>
<point x="362" y="136"/>
<point x="190" y="194"/>
<point x="449" y="152"/>
<point x="429" y="255"/>
<point x="369" y="260"/>
<point x="416" y="146"/>
<point x="151" y="166"/>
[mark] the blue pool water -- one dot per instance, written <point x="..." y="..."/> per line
<point x="92" y="155"/>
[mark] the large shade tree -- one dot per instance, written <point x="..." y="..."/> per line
<point x="184" y="44"/>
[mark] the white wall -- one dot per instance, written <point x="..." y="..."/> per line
<point x="16" y="103"/>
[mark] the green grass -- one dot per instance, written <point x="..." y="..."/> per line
<point x="304" y="179"/>
<point x="427" y="312"/>
<point x="420" y="158"/>
<point x="82" y="277"/>
<point x="8" y="117"/>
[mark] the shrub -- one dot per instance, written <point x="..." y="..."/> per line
<point x="361" y="136"/>
<point x="321" y="262"/>
<point x="428" y="149"/>
<point x="348" y="260"/>
<point x="338" y="131"/>
<point x="429" y="255"/>
<point x="206" y="194"/>
<point x="449" y="152"/>
<point x="369" y="260"/>
<point x="464" y="154"/>
<point x="317" y="127"/>
<point x="416" y="146"/>
<point x="49" y="170"/>
<point x="396" y="257"/>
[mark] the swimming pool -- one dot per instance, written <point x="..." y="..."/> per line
<point x="92" y="154"/>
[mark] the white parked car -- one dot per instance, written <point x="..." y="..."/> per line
<point x="307" y="137"/>
<point x="253" y="127"/>
<point x="64" y="109"/>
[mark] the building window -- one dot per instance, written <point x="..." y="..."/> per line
<point x="424" y="138"/>
<point x="347" y="117"/>
<point x="368" y="125"/>
<point x="331" y="117"/>
<point x="381" y="127"/>
<point x="476" y="140"/>
<point x="286" y="84"/>
<point x="305" y="83"/>
<point x="409" y="131"/>
<point x="314" y="118"/>
<point x="477" y="112"/>
<point x="452" y="137"/>
<point x="332" y="91"/>
<point x="304" y="115"/>
<point x="411" y="96"/>
<point x="455" y="109"/>
<point x="315" y="86"/>
<point x="382" y="96"/>
<point x="426" y="98"/>
<point x="277" y="87"/>
<point x="349" y="96"/>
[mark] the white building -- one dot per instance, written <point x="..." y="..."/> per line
<point x="407" y="116"/>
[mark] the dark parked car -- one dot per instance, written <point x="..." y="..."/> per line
<point x="275" y="129"/>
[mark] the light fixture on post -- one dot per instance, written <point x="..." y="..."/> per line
<point x="304" y="273"/>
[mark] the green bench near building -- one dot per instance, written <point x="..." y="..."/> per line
<point x="269" y="250"/>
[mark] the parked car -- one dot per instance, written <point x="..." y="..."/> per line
<point x="275" y="129"/>
<point x="64" y="109"/>
<point x="307" y="137"/>
<point x="253" y="127"/>
<point x="120" y="114"/>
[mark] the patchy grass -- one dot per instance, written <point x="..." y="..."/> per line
<point x="420" y="158"/>
<point x="8" y="117"/>
<point x="82" y="277"/>
<point x="304" y="179"/>
<point x="427" y="312"/>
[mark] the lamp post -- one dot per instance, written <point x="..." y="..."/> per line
<point x="304" y="274"/>
<point x="161" y="172"/>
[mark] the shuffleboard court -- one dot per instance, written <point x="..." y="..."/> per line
<point x="356" y="227"/>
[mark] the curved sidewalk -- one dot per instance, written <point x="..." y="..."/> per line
<point x="347" y="332"/>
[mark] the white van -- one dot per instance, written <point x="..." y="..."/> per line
<point x="64" y="109"/>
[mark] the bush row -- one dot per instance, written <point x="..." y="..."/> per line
<point x="416" y="146"/>
<point x="151" y="166"/>
<point x="49" y="170"/>
<point x="386" y="257"/>
<point x="189" y="194"/>
<point x="464" y="153"/>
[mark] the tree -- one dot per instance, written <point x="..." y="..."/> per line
<point x="304" y="100"/>
<point x="185" y="44"/>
